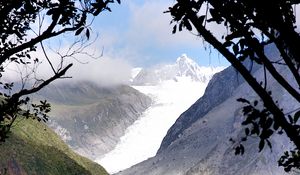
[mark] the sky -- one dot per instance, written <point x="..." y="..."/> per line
<point x="135" y="34"/>
<point x="138" y="32"/>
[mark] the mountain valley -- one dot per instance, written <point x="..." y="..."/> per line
<point x="172" y="88"/>
<point x="199" y="141"/>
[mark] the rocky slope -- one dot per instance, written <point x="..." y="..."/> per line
<point x="33" y="148"/>
<point x="91" y="119"/>
<point x="198" y="143"/>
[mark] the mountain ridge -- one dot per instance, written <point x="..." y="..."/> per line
<point x="183" y="67"/>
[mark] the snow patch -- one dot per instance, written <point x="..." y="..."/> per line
<point x="135" y="72"/>
<point x="61" y="131"/>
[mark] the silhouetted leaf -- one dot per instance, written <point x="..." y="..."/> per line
<point x="50" y="12"/>
<point x="275" y="126"/>
<point x="187" y="25"/>
<point x="227" y="43"/>
<point x="235" y="49"/>
<point x="174" y="29"/>
<point x="79" y="31"/>
<point x="201" y="19"/>
<point x="237" y="150"/>
<point x="261" y="145"/>
<point x="296" y="116"/>
<point x="243" y="100"/>
<point x="180" y="27"/>
<point x="255" y="103"/>
<point x="280" y="132"/>
<point x="247" y="131"/>
<point x="268" y="133"/>
<point x="269" y="144"/>
<point x="269" y="123"/>
<point x="242" y="149"/>
<point x="290" y="119"/>
<point x="87" y="33"/>
<point x="247" y="109"/>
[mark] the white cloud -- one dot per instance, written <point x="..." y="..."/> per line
<point x="144" y="32"/>
<point x="107" y="70"/>
<point x="148" y="28"/>
<point x="149" y="23"/>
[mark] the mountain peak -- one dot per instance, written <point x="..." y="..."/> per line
<point x="187" y="67"/>
<point x="184" y="59"/>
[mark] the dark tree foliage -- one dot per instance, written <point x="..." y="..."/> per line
<point x="25" y="24"/>
<point x="251" y="25"/>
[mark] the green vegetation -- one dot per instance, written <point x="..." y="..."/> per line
<point x="35" y="149"/>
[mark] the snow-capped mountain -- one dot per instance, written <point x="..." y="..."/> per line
<point x="187" y="67"/>
<point x="183" y="67"/>
<point x="198" y="142"/>
<point x="173" y="89"/>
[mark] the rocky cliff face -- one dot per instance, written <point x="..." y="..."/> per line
<point x="91" y="119"/>
<point x="218" y="90"/>
<point x="198" y="143"/>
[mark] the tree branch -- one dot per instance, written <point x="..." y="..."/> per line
<point x="23" y="92"/>
<point x="267" y="99"/>
<point x="283" y="53"/>
<point x="274" y="72"/>
<point x="48" y="33"/>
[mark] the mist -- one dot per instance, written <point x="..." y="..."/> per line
<point x="105" y="70"/>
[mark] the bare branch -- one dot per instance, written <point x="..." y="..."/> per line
<point x="46" y="56"/>
<point x="24" y="92"/>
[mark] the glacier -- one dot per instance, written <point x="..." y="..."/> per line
<point x="173" y="89"/>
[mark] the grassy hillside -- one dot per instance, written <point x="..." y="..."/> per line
<point x="32" y="148"/>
